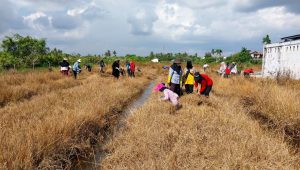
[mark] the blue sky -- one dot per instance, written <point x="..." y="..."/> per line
<point x="139" y="27"/>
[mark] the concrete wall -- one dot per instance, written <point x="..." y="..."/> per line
<point x="282" y="58"/>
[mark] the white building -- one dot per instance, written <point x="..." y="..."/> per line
<point x="282" y="58"/>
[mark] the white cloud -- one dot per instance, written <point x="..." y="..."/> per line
<point x="37" y="20"/>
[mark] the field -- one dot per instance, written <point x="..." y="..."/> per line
<point x="51" y="121"/>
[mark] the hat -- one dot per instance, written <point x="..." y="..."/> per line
<point x="177" y="61"/>
<point x="79" y="60"/>
<point x="65" y="59"/>
<point x="159" y="86"/>
<point x="197" y="76"/>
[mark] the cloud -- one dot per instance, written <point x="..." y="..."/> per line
<point x="142" y="22"/>
<point x="9" y="17"/>
<point x="38" y="20"/>
<point x="254" y="5"/>
<point x="65" y="22"/>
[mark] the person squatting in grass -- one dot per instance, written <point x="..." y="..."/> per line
<point x="64" y="67"/>
<point x="206" y="84"/>
<point x="168" y="95"/>
<point x="116" y="69"/>
<point x="247" y="72"/>
<point x="76" y="68"/>
<point x="175" y="77"/>
<point x="189" y="77"/>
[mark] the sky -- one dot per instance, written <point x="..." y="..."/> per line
<point x="139" y="27"/>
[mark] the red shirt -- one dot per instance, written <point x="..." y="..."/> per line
<point x="248" y="71"/>
<point x="132" y="66"/>
<point x="206" y="81"/>
<point x="227" y="70"/>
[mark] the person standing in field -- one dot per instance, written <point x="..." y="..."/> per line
<point x="102" y="65"/>
<point x="222" y="69"/>
<point x="116" y="69"/>
<point x="76" y="68"/>
<point x="127" y="65"/>
<point x="168" y="95"/>
<point x="175" y="77"/>
<point x="64" y="67"/>
<point x="227" y="71"/>
<point x="132" y="68"/>
<point x="234" y="68"/>
<point x="205" y="67"/>
<point x="189" y="77"/>
<point x="205" y="82"/>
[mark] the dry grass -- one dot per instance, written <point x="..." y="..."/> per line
<point x="15" y="87"/>
<point x="218" y="133"/>
<point x="61" y="124"/>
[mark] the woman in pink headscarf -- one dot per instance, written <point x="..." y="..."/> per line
<point x="168" y="95"/>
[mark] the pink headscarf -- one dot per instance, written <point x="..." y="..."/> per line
<point x="158" y="87"/>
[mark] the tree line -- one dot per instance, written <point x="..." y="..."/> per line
<point x="27" y="52"/>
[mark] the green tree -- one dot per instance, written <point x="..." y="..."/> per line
<point x="108" y="53"/>
<point x="10" y="45"/>
<point x="266" y="40"/>
<point x="115" y="53"/>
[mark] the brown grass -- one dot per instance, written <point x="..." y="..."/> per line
<point x="61" y="124"/>
<point x="218" y="133"/>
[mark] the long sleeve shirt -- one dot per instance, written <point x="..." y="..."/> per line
<point x="170" y="95"/>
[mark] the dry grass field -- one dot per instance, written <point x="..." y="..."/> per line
<point x="50" y="121"/>
<point x="245" y="124"/>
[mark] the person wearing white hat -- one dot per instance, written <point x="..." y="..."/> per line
<point x="64" y="67"/>
<point x="76" y="68"/>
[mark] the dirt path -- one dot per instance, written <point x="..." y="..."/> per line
<point x="99" y="152"/>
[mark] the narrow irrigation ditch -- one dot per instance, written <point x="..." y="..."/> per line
<point x="98" y="152"/>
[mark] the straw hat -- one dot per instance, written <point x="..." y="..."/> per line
<point x="65" y="59"/>
<point x="79" y="60"/>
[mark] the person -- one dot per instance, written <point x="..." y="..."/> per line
<point x="227" y="71"/>
<point x="234" y="68"/>
<point x="76" y="68"/>
<point x="127" y="64"/>
<point x="205" y="82"/>
<point x="205" y="67"/>
<point x="116" y="69"/>
<point x="189" y="77"/>
<point x="247" y="72"/>
<point x="64" y="67"/>
<point x="168" y="95"/>
<point x="222" y="69"/>
<point x="132" y="68"/>
<point x="102" y="65"/>
<point x="175" y="77"/>
<point x="88" y="67"/>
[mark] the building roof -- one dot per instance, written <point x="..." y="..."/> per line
<point x="291" y="38"/>
<point x="256" y="52"/>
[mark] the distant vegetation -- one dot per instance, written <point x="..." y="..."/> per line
<point x="27" y="52"/>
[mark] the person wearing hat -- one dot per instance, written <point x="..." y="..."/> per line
<point x="64" y="67"/>
<point x="175" y="77"/>
<point x="168" y="95"/>
<point x="116" y="69"/>
<point x="189" y="77"/>
<point x="206" y="83"/>
<point x="76" y="68"/>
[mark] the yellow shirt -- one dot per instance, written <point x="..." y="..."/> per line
<point x="190" y="78"/>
